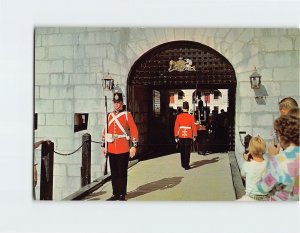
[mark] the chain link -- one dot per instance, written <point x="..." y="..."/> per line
<point x="69" y="153"/>
<point x="66" y="154"/>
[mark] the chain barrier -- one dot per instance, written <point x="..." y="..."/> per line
<point x="66" y="154"/>
<point x="71" y="152"/>
<point x="101" y="142"/>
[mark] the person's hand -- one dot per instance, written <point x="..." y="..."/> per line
<point x="34" y="176"/>
<point x="132" y="152"/>
<point x="273" y="150"/>
<point x="35" y="181"/>
<point x="246" y="155"/>
<point x="194" y="139"/>
<point x="103" y="151"/>
<point x="176" y="139"/>
<point x="37" y="144"/>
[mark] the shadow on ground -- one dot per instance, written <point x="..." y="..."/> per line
<point x="165" y="183"/>
<point x="204" y="162"/>
<point x="95" y="194"/>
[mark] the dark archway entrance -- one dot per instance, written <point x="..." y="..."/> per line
<point x="150" y="83"/>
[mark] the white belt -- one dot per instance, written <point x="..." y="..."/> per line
<point x="121" y="136"/>
<point x="184" y="127"/>
<point x="111" y="137"/>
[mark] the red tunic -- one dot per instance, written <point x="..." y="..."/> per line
<point x="120" y="125"/>
<point x="185" y="126"/>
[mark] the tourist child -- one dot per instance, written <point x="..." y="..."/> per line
<point x="253" y="169"/>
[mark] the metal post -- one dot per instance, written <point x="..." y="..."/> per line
<point x="86" y="160"/>
<point x="46" y="180"/>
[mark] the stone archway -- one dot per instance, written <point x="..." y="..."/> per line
<point x="152" y="71"/>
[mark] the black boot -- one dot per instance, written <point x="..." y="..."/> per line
<point x="113" y="198"/>
<point x="187" y="167"/>
<point x="122" y="198"/>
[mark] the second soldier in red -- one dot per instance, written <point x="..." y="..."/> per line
<point x="185" y="132"/>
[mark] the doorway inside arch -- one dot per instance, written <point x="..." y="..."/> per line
<point x="164" y="77"/>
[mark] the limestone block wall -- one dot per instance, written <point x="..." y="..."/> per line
<point x="70" y="62"/>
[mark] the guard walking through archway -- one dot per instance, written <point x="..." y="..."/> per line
<point x="120" y="130"/>
<point x="185" y="132"/>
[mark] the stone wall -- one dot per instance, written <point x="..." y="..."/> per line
<point x="70" y="62"/>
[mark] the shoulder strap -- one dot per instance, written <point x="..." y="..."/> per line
<point x="115" y="119"/>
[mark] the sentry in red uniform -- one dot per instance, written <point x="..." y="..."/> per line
<point x="185" y="126"/>
<point x="120" y="129"/>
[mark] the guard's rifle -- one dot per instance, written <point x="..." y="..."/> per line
<point x="105" y="136"/>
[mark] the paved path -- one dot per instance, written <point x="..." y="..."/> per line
<point x="163" y="179"/>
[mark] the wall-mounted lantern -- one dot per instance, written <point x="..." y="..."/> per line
<point x="108" y="82"/>
<point x="255" y="80"/>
